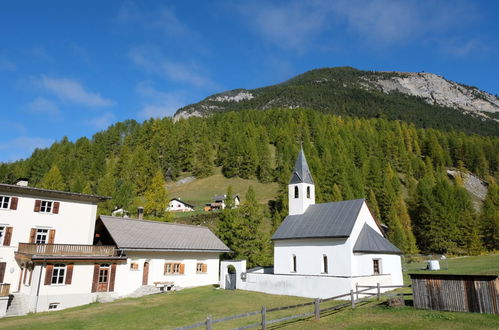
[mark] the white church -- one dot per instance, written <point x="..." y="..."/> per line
<point x="321" y="250"/>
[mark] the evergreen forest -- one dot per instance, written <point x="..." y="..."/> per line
<point x="400" y="169"/>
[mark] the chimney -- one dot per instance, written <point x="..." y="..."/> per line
<point x="22" y="182"/>
<point x="140" y="211"/>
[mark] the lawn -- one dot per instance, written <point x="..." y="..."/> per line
<point x="166" y="311"/>
<point x="202" y="190"/>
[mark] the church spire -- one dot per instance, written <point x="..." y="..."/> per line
<point x="301" y="173"/>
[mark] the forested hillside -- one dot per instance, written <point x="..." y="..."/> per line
<point x="398" y="168"/>
<point x="424" y="99"/>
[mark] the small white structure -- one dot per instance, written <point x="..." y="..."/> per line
<point x="177" y="205"/>
<point x="220" y="202"/>
<point x="324" y="250"/>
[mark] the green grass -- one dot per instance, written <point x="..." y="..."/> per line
<point x="202" y="190"/>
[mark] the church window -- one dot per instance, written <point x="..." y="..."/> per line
<point x="324" y="264"/>
<point x="296" y="192"/>
<point x="376" y="266"/>
<point x="308" y="192"/>
<point x="294" y="264"/>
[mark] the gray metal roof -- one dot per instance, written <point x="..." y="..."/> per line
<point x="301" y="172"/>
<point x="15" y="189"/>
<point x="334" y="219"/>
<point x="181" y="201"/>
<point x="370" y="241"/>
<point x="136" y="234"/>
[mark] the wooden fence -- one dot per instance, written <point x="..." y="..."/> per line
<point x="458" y="293"/>
<point x="316" y="312"/>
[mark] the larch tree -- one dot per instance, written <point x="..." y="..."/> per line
<point x="156" y="198"/>
<point x="53" y="179"/>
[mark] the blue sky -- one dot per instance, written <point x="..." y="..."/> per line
<point x="71" y="68"/>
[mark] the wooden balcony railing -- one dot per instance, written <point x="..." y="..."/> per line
<point x="74" y="250"/>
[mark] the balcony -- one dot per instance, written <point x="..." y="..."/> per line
<point x="67" y="250"/>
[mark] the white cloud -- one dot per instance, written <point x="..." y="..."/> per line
<point x="72" y="91"/>
<point x="159" y="104"/>
<point x="43" y="105"/>
<point x="22" y="147"/>
<point x="103" y="121"/>
<point x="6" y="64"/>
<point x="153" y="62"/>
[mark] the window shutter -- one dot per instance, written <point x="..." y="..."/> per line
<point x="112" y="277"/>
<point x="3" y="265"/>
<point x="55" y="210"/>
<point x="13" y="203"/>
<point x="8" y="236"/>
<point x="48" y="274"/>
<point x="37" y="205"/>
<point x="32" y="235"/>
<point x="96" y="277"/>
<point x="182" y="269"/>
<point x="51" y="236"/>
<point x="69" y="273"/>
<point x="204" y="268"/>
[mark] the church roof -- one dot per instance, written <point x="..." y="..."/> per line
<point x="370" y="241"/>
<point x="301" y="173"/>
<point x="325" y="220"/>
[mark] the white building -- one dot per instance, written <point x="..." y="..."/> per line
<point x="220" y="202"/>
<point x="177" y="205"/>
<point x="48" y="259"/>
<point x="323" y="250"/>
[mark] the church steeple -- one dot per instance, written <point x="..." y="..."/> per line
<point x="301" y="187"/>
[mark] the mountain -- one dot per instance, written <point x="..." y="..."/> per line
<point x="425" y="99"/>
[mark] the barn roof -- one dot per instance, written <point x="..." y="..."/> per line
<point x="325" y="220"/>
<point x="301" y="172"/>
<point x="133" y="234"/>
<point x="370" y="241"/>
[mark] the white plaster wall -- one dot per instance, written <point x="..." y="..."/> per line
<point x="299" y="205"/>
<point x="178" y="206"/>
<point x="128" y="280"/>
<point x="74" y="224"/>
<point x="309" y="256"/>
<point x="309" y="286"/>
<point x="240" y="267"/>
<point x="390" y="264"/>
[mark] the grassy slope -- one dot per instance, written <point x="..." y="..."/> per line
<point x="193" y="305"/>
<point x="202" y="190"/>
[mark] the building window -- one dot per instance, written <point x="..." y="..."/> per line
<point x="297" y="194"/>
<point x="41" y="236"/>
<point x="104" y="273"/>
<point x="294" y="264"/>
<point x="58" y="274"/>
<point x="173" y="268"/>
<point x="4" y="202"/>
<point x="376" y="266"/>
<point x="324" y="264"/>
<point x="53" y="306"/>
<point x="2" y="234"/>
<point x="134" y="266"/>
<point x="308" y="192"/>
<point x="201" y="268"/>
<point x="46" y="206"/>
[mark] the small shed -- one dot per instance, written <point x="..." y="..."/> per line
<point x="456" y="293"/>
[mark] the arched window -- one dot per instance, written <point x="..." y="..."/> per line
<point x="294" y="264"/>
<point x="324" y="264"/>
<point x="308" y="192"/>
<point x="296" y="192"/>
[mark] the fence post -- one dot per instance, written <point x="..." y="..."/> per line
<point x="356" y="291"/>
<point x="208" y="322"/>
<point x="378" y="291"/>
<point x="352" y="298"/>
<point x="264" y="318"/>
<point x="317" y="309"/>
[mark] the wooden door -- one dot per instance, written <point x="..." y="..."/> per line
<point x="145" y="274"/>
<point x="103" y="283"/>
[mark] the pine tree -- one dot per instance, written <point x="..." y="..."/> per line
<point x="489" y="219"/>
<point x="53" y="179"/>
<point x="156" y="198"/>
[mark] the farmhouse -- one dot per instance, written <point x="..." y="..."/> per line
<point x="220" y="202"/>
<point x="177" y="205"/>
<point x="321" y="250"/>
<point x="48" y="259"/>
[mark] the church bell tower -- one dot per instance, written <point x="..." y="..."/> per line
<point x="301" y="187"/>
